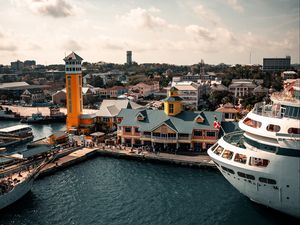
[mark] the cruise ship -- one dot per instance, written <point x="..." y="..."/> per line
<point x="262" y="161"/>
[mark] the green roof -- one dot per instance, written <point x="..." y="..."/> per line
<point x="184" y="122"/>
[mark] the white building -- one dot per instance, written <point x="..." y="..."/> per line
<point x="112" y="75"/>
<point x="189" y="92"/>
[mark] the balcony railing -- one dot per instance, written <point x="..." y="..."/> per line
<point x="267" y="110"/>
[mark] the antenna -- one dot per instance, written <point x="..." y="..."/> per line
<point x="250" y="59"/>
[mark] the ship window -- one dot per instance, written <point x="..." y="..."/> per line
<point x="219" y="150"/>
<point x="227" y="154"/>
<point x="247" y="176"/>
<point x="240" y="158"/>
<point x="273" y="128"/>
<point x="258" y="162"/>
<point x="294" y="130"/>
<point x="252" y="123"/>
<point x="227" y="169"/>
<point x="214" y="147"/>
<point x="267" y="180"/>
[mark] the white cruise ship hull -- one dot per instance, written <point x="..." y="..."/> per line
<point x="15" y="194"/>
<point x="283" y="196"/>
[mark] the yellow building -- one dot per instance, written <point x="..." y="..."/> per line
<point x="73" y="90"/>
<point x="173" y="103"/>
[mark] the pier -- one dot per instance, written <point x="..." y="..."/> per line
<point x="84" y="153"/>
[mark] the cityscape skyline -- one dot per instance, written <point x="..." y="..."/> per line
<point x="219" y="31"/>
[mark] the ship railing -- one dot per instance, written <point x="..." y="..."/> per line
<point x="235" y="138"/>
<point x="262" y="109"/>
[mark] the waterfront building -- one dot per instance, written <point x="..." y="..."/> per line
<point x="17" y="65"/>
<point x="168" y="129"/>
<point x="33" y="96"/>
<point x="110" y="108"/>
<point x="276" y="64"/>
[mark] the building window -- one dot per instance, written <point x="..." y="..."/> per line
<point x="128" y="129"/>
<point x="210" y="134"/>
<point x="136" y="130"/>
<point x="105" y="119"/>
<point x="171" y="108"/>
<point x="197" y="133"/>
<point x="69" y="80"/>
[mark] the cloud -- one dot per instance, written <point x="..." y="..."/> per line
<point x="142" y="18"/>
<point x="235" y="5"/>
<point x="207" y="15"/>
<point x="6" y="44"/>
<point x="72" y="45"/>
<point x="200" y="32"/>
<point x="53" y="8"/>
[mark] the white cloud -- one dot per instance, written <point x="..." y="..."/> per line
<point x="142" y="18"/>
<point x="235" y="5"/>
<point x="207" y="15"/>
<point x="72" y="45"/>
<point x="53" y="8"/>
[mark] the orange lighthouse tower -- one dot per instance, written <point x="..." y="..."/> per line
<point x="73" y="90"/>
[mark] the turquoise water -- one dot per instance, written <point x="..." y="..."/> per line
<point x="120" y="192"/>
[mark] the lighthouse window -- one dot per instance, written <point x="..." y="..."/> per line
<point x="171" y="108"/>
<point x="294" y="130"/>
<point x="240" y="158"/>
<point x="227" y="154"/>
<point x="273" y="128"/>
<point x="252" y="123"/>
<point x="258" y="162"/>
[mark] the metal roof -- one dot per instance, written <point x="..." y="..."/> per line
<point x="73" y="56"/>
<point x="13" y="84"/>
<point x="14" y="128"/>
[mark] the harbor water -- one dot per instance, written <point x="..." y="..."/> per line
<point x="114" y="191"/>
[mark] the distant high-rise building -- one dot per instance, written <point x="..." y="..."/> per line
<point x="129" y="57"/>
<point x="276" y="64"/>
<point x="29" y="63"/>
<point x="17" y="65"/>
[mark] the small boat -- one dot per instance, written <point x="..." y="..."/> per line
<point x="14" y="135"/>
<point x="7" y="114"/>
<point x="55" y="116"/>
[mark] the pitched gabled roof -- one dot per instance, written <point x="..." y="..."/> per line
<point x="182" y="123"/>
<point x="111" y="107"/>
<point x="73" y="56"/>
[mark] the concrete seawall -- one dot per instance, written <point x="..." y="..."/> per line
<point x="83" y="154"/>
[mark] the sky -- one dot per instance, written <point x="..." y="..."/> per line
<point x="157" y="31"/>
